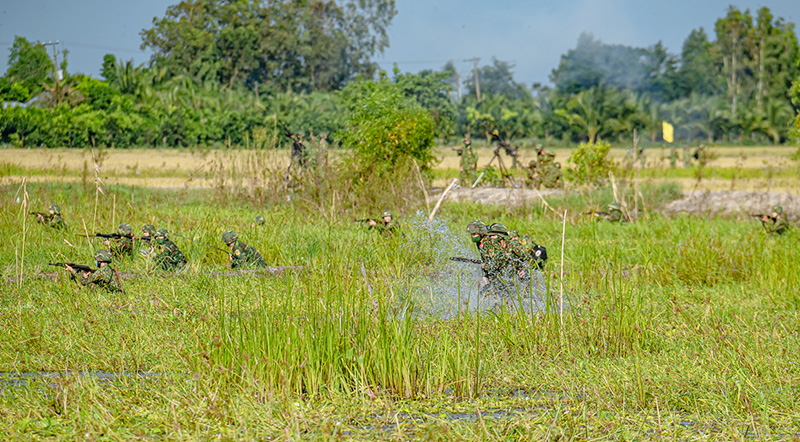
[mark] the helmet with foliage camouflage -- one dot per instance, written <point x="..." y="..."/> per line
<point x="229" y="237"/>
<point x="777" y="209"/>
<point x="498" y="229"/>
<point x="149" y="228"/>
<point x="388" y="213"/>
<point x="260" y="220"/>
<point x="557" y="164"/>
<point x="532" y="164"/>
<point x="477" y="226"/>
<point x="125" y="229"/>
<point x="102" y="255"/>
<point x="162" y="233"/>
<point x="55" y="209"/>
<point x="613" y="205"/>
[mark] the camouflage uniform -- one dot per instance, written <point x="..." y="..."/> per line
<point x="552" y="177"/>
<point x="614" y="214"/>
<point x="242" y="255"/>
<point x="388" y="228"/>
<point x="533" y="179"/>
<point x="167" y="255"/>
<point x="777" y="223"/>
<point x="123" y="246"/>
<point x="260" y="221"/>
<point x="53" y="220"/>
<point x="469" y="164"/>
<point x="104" y="277"/>
<point x="673" y="157"/>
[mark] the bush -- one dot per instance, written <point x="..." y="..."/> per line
<point x="384" y="128"/>
<point x="590" y="164"/>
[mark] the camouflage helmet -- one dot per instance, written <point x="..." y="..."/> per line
<point x="532" y="164"/>
<point x="557" y="164"/>
<point x="149" y="228"/>
<point x="162" y="232"/>
<point x="477" y="226"/>
<point x="777" y="209"/>
<point x="613" y="205"/>
<point x="102" y="255"/>
<point x="229" y="237"/>
<point x="498" y="229"/>
<point x="125" y="229"/>
<point x="55" y="209"/>
<point x="260" y="220"/>
<point x="388" y="213"/>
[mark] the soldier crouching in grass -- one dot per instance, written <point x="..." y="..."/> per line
<point x="104" y="277"/>
<point x="166" y="254"/>
<point x="241" y="254"/>
<point x="775" y="223"/>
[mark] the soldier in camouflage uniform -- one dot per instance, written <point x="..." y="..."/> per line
<point x="533" y="179"/>
<point x="469" y="164"/>
<point x="242" y="255"/>
<point x="673" y="157"/>
<point x="104" y="277"/>
<point x="123" y="246"/>
<point x="387" y="225"/>
<point x="53" y="218"/>
<point x="166" y="254"/>
<point x="775" y="223"/>
<point x="259" y="220"/>
<point x="614" y="214"/>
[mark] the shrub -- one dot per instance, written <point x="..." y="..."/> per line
<point x="590" y="164"/>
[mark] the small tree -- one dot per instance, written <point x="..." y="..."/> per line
<point x="384" y="128"/>
<point x="590" y="164"/>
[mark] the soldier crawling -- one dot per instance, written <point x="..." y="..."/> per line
<point x="241" y="254"/>
<point x="52" y="218"/>
<point x="166" y="254"/>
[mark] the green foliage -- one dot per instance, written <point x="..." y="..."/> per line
<point x="590" y="164"/>
<point x="384" y="127"/>
<point x="29" y="64"/>
<point x="431" y="90"/>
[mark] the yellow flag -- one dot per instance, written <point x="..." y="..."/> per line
<point x="667" y="131"/>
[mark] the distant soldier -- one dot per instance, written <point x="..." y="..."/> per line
<point x="552" y="176"/>
<point x="52" y="218"/>
<point x="242" y="255"/>
<point x="673" y="157"/>
<point x="299" y="154"/>
<point x="469" y="164"/>
<point x="259" y="220"/>
<point x="614" y="214"/>
<point x="166" y="254"/>
<point x="104" y="277"/>
<point x="533" y="179"/>
<point x="123" y="246"/>
<point x="775" y="223"/>
<point x="387" y="225"/>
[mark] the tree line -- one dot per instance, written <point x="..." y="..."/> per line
<point x="222" y="72"/>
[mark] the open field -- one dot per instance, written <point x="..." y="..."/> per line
<point x="673" y="327"/>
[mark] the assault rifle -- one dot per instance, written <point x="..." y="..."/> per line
<point x="42" y="214"/>
<point x="467" y="260"/>
<point x="112" y="236"/>
<point x="593" y="212"/>
<point x="80" y="267"/>
<point x="364" y="220"/>
<point x="759" y="215"/>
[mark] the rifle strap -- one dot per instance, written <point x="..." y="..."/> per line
<point x="119" y="280"/>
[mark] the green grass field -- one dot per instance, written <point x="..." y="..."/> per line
<point x="674" y="328"/>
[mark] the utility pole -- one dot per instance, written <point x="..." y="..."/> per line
<point x="56" y="72"/>
<point x="475" y="61"/>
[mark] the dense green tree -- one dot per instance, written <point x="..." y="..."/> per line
<point x="697" y="73"/>
<point x="29" y="65"/>
<point x="497" y="79"/>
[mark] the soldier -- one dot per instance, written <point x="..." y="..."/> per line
<point x="166" y="254"/>
<point x="241" y="254"/>
<point x="533" y="180"/>
<point x="52" y="218"/>
<point x="387" y="225"/>
<point x="552" y="175"/>
<point x="673" y="157"/>
<point x="299" y="153"/>
<point x="775" y="223"/>
<point x="104" y="277"/>
<point x="260" y="221"/>
<point x="530" y="252"/>
<point x="122" y="246"/>
<point x="469" y="164"/>
<point x="614" y="214"/>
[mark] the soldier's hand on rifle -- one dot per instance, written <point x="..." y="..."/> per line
<point x="765" y="218"/>
<point x="40" y="217"/>
<point x="371" y="223"/>
<point x="69" y="268"/>
<point x="107" y="242"/>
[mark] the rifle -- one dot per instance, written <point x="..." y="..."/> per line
<point x="286" y="130"/>
<point x="202" y="243"/>
<point x="112" y="236"/>
<point x="37" y="214"/>
<point x="759" y="215"/>
<point x="592" y="212"/>
<point x="80" y="267"/>
<point x="501" y="143"/>
<point x="364" y="220"/>
<point x="467" y="260"/>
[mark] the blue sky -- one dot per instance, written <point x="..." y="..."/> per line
<point x="425" y="33"/>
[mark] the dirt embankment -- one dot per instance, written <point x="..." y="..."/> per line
<point x="735" y="202"/>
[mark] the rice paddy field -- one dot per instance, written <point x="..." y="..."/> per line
<point x="671" y="327"/>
